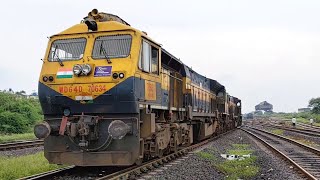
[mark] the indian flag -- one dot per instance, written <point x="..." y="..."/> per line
<point x="64" y="73"/>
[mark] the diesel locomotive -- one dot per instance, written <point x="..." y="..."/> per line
<point x="112" y="96"/>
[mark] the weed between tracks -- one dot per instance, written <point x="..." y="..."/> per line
<point x="22" y="166"/>
<point x="277" y="131"/>
<point x="16" y="137"/>
<point x="305" y="141"/>
<point x="206" y="155"/>
<point x="234" y="169"/>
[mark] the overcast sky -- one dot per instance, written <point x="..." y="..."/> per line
<point x="260" y="50"/>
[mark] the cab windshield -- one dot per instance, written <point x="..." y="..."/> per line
<point x="112" y="46"/>
<point x="67" y="49"/>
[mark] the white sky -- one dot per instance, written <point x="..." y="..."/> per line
<point x="260" y="50"/>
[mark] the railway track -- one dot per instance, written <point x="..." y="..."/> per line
<point x="303" y="125"/>
<point x="20" y="145"/>
<point x="303" y="157"/>
<point x="308" y="126"/>
<point x="132" y="172"/>
<point x="309" y="132"/>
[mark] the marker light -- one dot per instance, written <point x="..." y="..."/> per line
<point x="115" y="75"/>
<point x="121" y="75"/>
<point x="86" y="69"/>
<point x="45" y="78"/>
<point x="50" y="78"/>
<point x="77" y="69"/>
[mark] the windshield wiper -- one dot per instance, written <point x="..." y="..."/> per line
<point x="104" y="53"/>
<point x="54" y="54"/>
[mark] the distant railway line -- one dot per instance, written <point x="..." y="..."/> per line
<point x="308" y="126"/>
<point x="310" y="132"/>
<point x="20" y="145"/>
<point x="131" y="172"/>
<point x="301" y="128"/>
<point x="303" y="125"/>
<point x="303" y="157"/>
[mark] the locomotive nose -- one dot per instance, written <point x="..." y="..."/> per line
<point x="42" y="130"/>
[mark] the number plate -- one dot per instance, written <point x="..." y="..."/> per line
<point x="81" y="90"/>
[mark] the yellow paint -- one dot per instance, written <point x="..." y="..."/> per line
<point x="187" y="82"/>
<point x="150" y="91"/>
<point x="127" y="65"/>
<point x="165" y="80"/>
<point x="200" y="93"/>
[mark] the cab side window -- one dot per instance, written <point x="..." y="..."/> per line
<point x="154" y="60"/>
<point x="149" y="58"/>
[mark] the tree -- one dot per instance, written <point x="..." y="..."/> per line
<point x="314" y="103"/>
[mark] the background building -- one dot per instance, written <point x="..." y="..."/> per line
<point x="264" y="106"/>
<point x="304" y="110"/>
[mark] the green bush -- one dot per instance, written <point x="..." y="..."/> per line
<point x="12" y="122"/>
<point x="18" y="114"/>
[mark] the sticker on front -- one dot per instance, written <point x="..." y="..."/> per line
<point x="101" y="71"/>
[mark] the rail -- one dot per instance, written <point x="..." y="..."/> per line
<point x="20" y="145"/>
<point x="298" y="130"/>
<point x="303" y="157"/>
<point x="125" y="172"/>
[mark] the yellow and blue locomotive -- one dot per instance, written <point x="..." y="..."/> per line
<point x="112" y="96"/>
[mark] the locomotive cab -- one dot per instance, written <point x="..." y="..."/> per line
<point x="88" y="88"/>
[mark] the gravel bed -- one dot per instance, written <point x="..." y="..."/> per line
<point x="21" y="152"/>
<point x="194" y="167"/>
<point x="85" y="173"/>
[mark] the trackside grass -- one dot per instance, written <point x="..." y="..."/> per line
<point x="239" y="169"/>
<point x="206" y="155"/>
<point x="277" y="131"/>
<point x="234" y="169"/>
<point x="15" y="137"/>
<point x="22" y="166"/>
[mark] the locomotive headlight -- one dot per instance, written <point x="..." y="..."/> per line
<point x="77" y="69"/>
<point x="86" y="69"/>
<point x="118" y="129"/>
